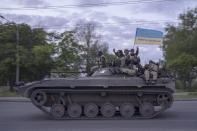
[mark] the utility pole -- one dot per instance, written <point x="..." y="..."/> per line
<point x="17" y="49"/>
<point x="17" y="55"/>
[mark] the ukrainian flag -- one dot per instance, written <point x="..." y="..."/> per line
<point x="147" y="36"/>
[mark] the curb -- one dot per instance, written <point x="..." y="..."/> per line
<point x="186" y="99"/>
<point x="14" y="99"/>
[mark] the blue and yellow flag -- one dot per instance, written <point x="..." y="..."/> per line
<point x="146" y="36"/>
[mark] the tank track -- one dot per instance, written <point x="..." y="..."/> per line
<point x="99" y="117"/>
<point x="117" y="115"/>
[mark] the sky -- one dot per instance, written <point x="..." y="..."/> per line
<point x="117" y="20"/>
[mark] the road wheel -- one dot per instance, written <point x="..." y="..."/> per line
<point x="165" y="100"/>
<point x="57" y="111"/>
<point x="146" y="109"/>
<point x="91" y="110"/>
<point x="39" y="98"/>
<point x="74" y="110"/>
<point x="127" y="110"/>
<point x="108" y="110"/>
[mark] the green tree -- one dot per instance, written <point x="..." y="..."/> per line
<point x="35" y="51"/>
<point x="68" y="52"/>
<point x="86" y="34"/>
<point x="182" y="38"/>
<point x="183" y="66"/>
<point x="111" y="57"/>
<point x="180" y="48"/>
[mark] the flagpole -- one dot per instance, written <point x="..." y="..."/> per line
<point x="135" y="38"/>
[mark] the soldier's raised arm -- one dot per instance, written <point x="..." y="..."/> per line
<point x="115" y="52"/>
<point x="103" y="61"/>
<point x="137" y="51"/>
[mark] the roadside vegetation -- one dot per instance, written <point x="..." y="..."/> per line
<point x="180" y="50"/>
<point x="186" y="95"/>
<point x="5" y="92"/>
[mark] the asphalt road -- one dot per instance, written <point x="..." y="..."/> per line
<point x="23" y="116"/>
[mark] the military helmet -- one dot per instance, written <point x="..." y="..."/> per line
<point x="126" y="50"/>
<point x="132" y="49"/>
<point x="150" y="61"/>
<point x="100" y="53"/>
<point x="121" y="53"/>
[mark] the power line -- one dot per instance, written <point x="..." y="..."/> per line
<point x="90" y="5"/>
<point x="134" y="22"/>
<point x="109" y="24"/>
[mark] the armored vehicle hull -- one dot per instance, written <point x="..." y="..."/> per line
<point x="101" y="96"/>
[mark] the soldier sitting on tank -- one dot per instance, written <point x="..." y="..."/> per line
<point x="163" y="72"/>
<point x="135" y="60"/>
<point x="127" y="57"/>
<point x="140" y="70"/>
<point x="128" y="67"/>
<point x="132" y="62"/>
<point x="121" y="58"/>
<point x="101" y="63"/>
<point x="151" y="70"/>
<point x="120" y="62"/>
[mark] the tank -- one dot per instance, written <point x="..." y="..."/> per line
<point x="106" y="94"/>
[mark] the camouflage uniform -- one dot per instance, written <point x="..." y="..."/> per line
<point x="130" y="68"/>
<point x="101" y="62"/>
<point x="121" y="58"/>
<point x="151" y="69"/>
<point x="135" y="60"/>
<point x="129" y="71"/>
<point x="131" y="63"/>
<point x="127" y="57"/>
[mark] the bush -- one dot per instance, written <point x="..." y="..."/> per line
<point x="6" y="93"/>
<point x="179" y="86"/>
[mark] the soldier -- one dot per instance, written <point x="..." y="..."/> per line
<point x="102" y="59"/>
<point x="127" y="57"/>
<point x="151" y="69"/>
<point x="124" y="62"/>
<point x="101" y="62"/>
<point x="129" y="70"/>
<point x="162" y="71"/>
<point x="134" y="59"/>
<point x="121" y="58"/>
<point x="133" y="53"/>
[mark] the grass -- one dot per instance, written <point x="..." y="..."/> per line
<point x="190" y="95"/>
<point x="184" y="96"/>
<point x="193" y="94"/>
<point x="179" y="90"/>
<point x="6" y="93"/>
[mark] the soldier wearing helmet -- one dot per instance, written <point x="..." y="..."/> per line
<point x="134" y="58"/>
<point x="124" y="62"/>
<point x="127" y="57"/>
<point x="101" y="62"/>
<point x="151" y="70"/>
<point x="121" y="58"/>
